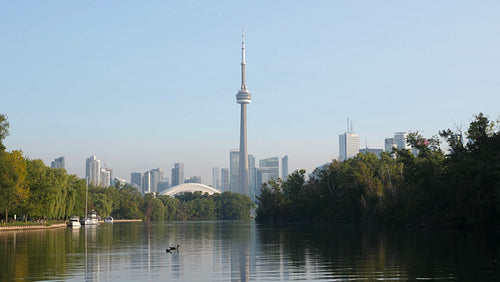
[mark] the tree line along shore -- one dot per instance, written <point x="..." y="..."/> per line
<point x="456" y="187"/>
<point x="459" y="187"/>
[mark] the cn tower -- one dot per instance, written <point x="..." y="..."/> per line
<point x="243" y="98"/>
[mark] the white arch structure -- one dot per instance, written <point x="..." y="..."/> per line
<point x="190" y="187"/>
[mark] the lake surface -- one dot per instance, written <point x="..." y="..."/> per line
<point x="246" y="251"/>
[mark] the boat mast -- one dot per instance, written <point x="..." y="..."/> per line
<point x="86" y="192"/>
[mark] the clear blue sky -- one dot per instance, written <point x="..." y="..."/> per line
<point x="145" y="84"/>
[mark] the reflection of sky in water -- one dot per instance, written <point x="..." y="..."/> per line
<point x="244" y="251"/>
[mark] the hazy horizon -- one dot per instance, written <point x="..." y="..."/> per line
<point x="144" y="85"/>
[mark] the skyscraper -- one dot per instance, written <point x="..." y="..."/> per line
<point x="57" y="163"/>
<point x="348" y="145"/>
<point x="193" y="179"/>
<point x="268" y="169"/>
<point x="162" y="186"/>
<point x="156" y="176"/>
<point x="243" y="98"/>
<point x="93" y="171"/>
<point x="136" y="179"/>
<point x="400" y="141"/>
<point x="389" y="144"/>
<point x="272" y="163"/>
<point x="284" y="168"/>
<point x="234" y="168"/>
<point x="146" y="183"/>
<point x="106" y="177"/>
<point x="224" y="179"/>
<point x="178" y="174"/>
<point x="216" y="177"/>
<point x="252" y="173"/>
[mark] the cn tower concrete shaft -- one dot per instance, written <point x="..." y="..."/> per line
<point x="243" y="97"/>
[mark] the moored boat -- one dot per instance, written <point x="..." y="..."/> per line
<point x="74" y="221"/>
<point x="91" y="219"/>
<point x="109" y="219"/>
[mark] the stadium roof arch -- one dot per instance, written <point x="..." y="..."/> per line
<point x="190" y="187"/>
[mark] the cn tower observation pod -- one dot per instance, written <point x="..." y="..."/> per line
<point x="190" y="187"/>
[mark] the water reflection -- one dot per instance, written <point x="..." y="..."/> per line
<point x="245" y="251"/>
<point x="355" y="252"/>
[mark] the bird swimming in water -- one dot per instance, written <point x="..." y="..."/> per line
<point x="172" y="249"/>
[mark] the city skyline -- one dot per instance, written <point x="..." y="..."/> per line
<point x="146" y="86"/>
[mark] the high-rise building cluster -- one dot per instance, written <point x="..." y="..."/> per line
<point x="268" y="169"/>
<point x="98" y="175"/>
<point x="349" y="144"/>
<point x="58" y="163"/>
<point x="151" y="181"/>
<point x="154" y="181"/>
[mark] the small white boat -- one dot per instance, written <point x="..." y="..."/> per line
<point x="91" y="219"/>
<point x="74" y="222"/>
<point x="109" y="219"/>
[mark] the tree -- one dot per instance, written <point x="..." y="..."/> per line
<point x="473" y="174"/>
<point x="171" y="206"/>
<point x="272" y="205"/>
<point x="8" y="181"/>
<point x="232" y="206"/>
<point x="152" y="208"/>
<point x="4" y="130"/>
<point x="102" y="204"/>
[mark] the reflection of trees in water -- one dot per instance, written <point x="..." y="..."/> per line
<point x="351" y="251"/>
<point x="34" y="254"/>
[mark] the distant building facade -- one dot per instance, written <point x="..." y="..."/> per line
<point x="106" y="177"/>
<point x="216" y="177"/>
<point x="234" y="160"/>
<point x="93" y="171"/>
<point x="224" y="179"/>
<point x="193" y="179"/>
<point x="268" y="169"/>
<point x="58" y="163"/>
<point x="389" y="144"/>
<point x="377" y="152"/>
<point x="348" y="145"/>
<point x="163" y="185"/>
<point x="264" y="174"/>
<point x="284" y="167"/>
<point x="118" y="180"/>
<point x="146" y="183"/>
<point x="178" y="174"/>
<point x="270" y="162"/>
<point x="400" y="140"/>
<point x="156" y="177"/>
<point x="136" y="180"/>
<point x="252" y="176"/>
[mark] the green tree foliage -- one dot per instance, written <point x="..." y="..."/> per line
<point x="171" y="206"/>
<point x="127" y="202"/>
<point x="153" y="208"/>
<point x="199" y="206"/>
<point x="474" y="173"/>
<point x="4" y="130"/>
<point x="273" y="205"/>
<point x="232" y="206"/>
<point x="430" y="188"/>
<point x="29" y="188"/>
<point x="8" y="181"/>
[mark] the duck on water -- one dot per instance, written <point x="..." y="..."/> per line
<point x="170" y="249"/>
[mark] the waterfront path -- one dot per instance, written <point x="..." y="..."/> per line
<point x="55" y="225"/>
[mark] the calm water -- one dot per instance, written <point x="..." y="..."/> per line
<point x="245" y="251"/>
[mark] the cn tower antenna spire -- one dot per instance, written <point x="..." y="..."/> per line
<point x="243" y="63"/>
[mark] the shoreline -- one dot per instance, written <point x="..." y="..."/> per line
<point x="52" y="226"/>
